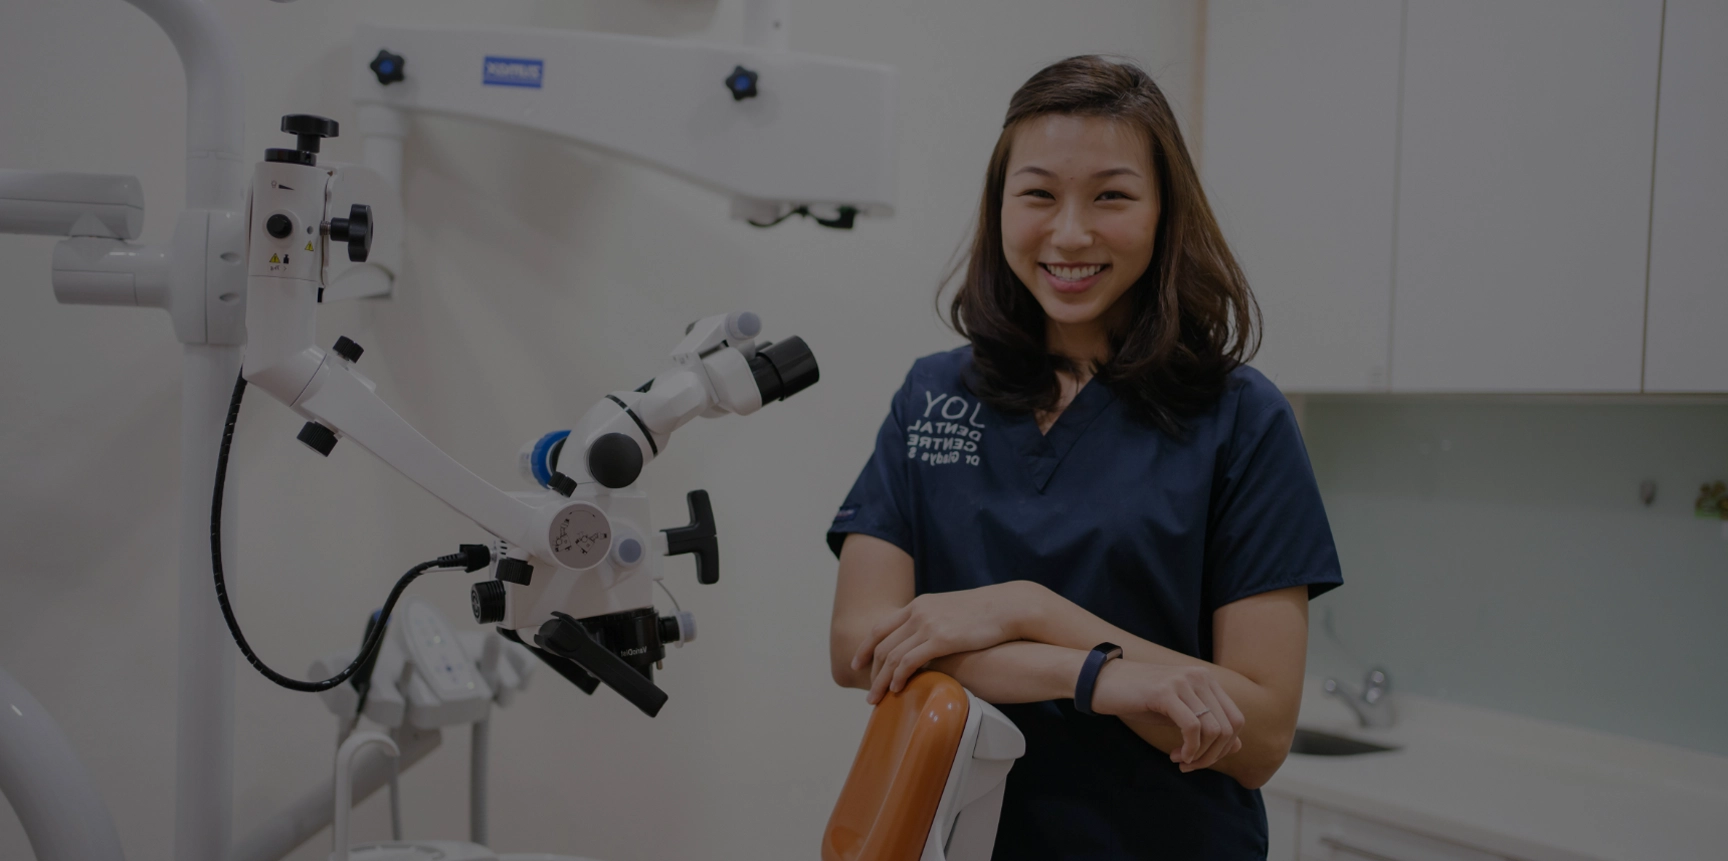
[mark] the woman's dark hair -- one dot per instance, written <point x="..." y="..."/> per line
<point x="1191" y="318"/>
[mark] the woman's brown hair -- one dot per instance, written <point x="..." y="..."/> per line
<point x="1191" y="320"/>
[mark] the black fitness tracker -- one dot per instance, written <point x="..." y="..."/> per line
<point x="1089" y="675"/>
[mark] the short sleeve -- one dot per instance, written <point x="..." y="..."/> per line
<point x="879" y="503"/>
<point x="1268" y="528"/>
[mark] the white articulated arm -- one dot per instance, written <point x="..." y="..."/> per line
<point x="289" y="255"/>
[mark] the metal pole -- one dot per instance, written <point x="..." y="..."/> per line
<point x="204" y="736"/>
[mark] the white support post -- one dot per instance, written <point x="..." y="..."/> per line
<point x="207" y="304"/>
<point x="204" y="732"/>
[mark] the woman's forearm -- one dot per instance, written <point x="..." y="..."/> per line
<point x="1269" y="706"/>
<point x="1016" y="672"/>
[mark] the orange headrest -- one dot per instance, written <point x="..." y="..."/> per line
<point x="890" y="798"/>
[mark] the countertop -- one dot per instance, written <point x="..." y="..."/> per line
<point x="1522" y="787"/>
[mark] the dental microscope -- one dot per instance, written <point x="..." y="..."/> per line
<point x="573" y="560"/>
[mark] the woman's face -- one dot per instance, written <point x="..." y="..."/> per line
<point x="1079" y="213"/>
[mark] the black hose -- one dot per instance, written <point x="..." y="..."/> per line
<point x="374" y="638"/>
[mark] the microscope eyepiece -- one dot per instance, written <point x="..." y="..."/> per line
<point x="784" y="369"/>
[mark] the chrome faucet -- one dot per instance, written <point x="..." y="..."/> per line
<point x="1372" y="706"/>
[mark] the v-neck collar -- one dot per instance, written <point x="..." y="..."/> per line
<point x="1043" y="452"/>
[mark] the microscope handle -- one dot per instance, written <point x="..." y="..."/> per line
<point x="566" y="638"/>
<point x="562" y="666"/>
<point x="698" y="538"/>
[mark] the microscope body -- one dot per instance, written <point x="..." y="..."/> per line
<point x="575" y="559"/>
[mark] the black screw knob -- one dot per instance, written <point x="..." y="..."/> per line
<point x="308" y="130"/>
<point x="279" y="226"/>
<point x="487" y="598"/>
<point x="356" y="230"/>
<point x="742" y="83"/>
<point x="347" y="349"/>
<point x="564" y="484"/>
<point x="387" y="67"/>
<point x="517" y="571"/>
<point x="318" y="438"/>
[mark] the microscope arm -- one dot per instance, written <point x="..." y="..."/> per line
<point x="342" y="401"/>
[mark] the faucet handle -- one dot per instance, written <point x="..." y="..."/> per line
<point x="1376" y="685"/>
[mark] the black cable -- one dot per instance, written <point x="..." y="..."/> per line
<point x="802" y="210"/>
<point x="374" y="638"/>
<point x="842" y="220"/>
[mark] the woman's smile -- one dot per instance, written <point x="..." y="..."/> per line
<point x="1073" y="277"/>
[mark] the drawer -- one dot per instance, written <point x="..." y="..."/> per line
<point x="1327" y="835"/>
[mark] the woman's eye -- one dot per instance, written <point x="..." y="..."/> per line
<point x="1113" y="195"/>
<point x="1037" y="192"/>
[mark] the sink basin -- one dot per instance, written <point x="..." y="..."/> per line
<point x="1316" y="743"/>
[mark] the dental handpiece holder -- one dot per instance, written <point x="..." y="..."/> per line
<point x="574" y="559"/>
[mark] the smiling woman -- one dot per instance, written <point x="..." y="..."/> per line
<point x="1095" y="516"/>
<point x="1091" y="168"/>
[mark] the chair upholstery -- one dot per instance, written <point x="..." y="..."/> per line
<point x="895" y="787"/>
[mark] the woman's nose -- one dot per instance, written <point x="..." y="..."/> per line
<point x="1072" y="230"/>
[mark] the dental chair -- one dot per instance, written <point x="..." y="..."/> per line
<point x="928" y="780"/>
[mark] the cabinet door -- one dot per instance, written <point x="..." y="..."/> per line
<point x="1524" y="194"/>
<point x="1282" y="813"/>
<point x="1689" y="226"/>
<point x="1299" y="124"/>
<point x="1331" y="836"/>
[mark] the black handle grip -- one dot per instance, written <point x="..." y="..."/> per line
<point x="573" y="674"/>
<point x="566" y="638"/>
<point x="698" y="538"/>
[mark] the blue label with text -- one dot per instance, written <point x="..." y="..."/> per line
<point x="513" y="72"/>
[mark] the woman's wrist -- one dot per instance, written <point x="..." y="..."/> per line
<point x="1028" y="602"/>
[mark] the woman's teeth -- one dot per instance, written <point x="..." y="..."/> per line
<point x="1073" y="273"/>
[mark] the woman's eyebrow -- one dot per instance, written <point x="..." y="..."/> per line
<point x="1103" y="174"/>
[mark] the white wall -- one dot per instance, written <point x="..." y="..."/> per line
<point x="538" y="278"/>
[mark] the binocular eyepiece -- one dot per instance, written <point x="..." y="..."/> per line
<point x="784" y="369"/>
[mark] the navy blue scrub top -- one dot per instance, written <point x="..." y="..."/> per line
<point x="1148" y="532"/>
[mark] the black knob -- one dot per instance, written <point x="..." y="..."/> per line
<point x="518" y="571"/>
<point x="784" y="369"/>
<point x="563" y="484"/>
<point x="356" y="230"/>
<point x="317" y="437"/>
<point x="387" y="66"/>
<point x="742" y="83"/>
<point x="279" y="226"/>
<point x="347" y="349"/>
<point x="308" y="130"/>
<point x="700" y="538"/>
<point x="615" y="460"/>
<point x="487" y="599"/>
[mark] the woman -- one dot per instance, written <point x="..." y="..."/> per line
<point x="1097" y="467"/>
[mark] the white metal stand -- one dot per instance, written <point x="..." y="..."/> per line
<point x="199" y="278"/>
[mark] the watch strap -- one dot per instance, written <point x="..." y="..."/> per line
<point x="1095" y="660"/>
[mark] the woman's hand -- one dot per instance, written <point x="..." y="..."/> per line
<point x="1189" y="698"/>
<point x="940" y="624"/>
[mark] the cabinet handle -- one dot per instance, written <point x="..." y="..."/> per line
<point x="1337" y="845"/>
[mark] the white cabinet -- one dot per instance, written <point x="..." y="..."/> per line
<point x="1524" y="194"/>
<point x="1300" y="122"/>
<point x="1282" y="812"/>
<point x="1328" y="835"/>
<point x="1689" y="225"/>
